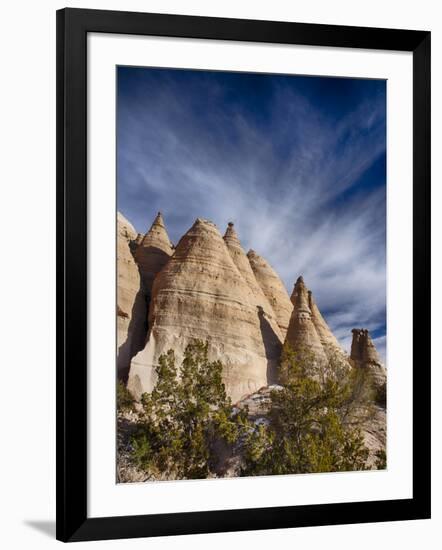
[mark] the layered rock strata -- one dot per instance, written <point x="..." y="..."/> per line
<point x="365" y="356"/>
<point x="302" y="336"/>
<point x="200" y="294"/>
<point x="131" y="307"/>
<point x="273" y="289"/>
<point x="152" y="253"/>
<point x="328" y="340"/>
<point x="274" y="339"/>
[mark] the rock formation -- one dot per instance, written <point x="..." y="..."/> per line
<point x="200" y="294"/>
<point x="365" y="356"/>
<point x="328" y="340"/>
<point x="273" y="288"/>
<point x="301" y="334"/>
<point x="207" y="288"/>
<point x="241" y="261"/>
<point x="131" y="307"/>
<point x="374" y="431"/>
<point x="152" y="253"/>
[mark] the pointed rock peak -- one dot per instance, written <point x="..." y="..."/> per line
<point x="300" y="297"/>
<point x="365" y="356"/>
<point x="159" y="220"/>
<point x="157" y="234"/>
<point x="302" y="335"/>
<point x="201" y="231"/>
<point x="362" y="347"/>
<point x="231" y="236"/>
<point x="152" y="253"/>
<point x="203" y="222"/>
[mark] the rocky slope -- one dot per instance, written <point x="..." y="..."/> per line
<point x="152" y="253"/>
<point x="207" y="288"/>
<point x="201" y="294"/>
<point x="365" y="356"/>
<point x="301" y="333"/>
<point x="273" y="288"/>
<point x="131" y="306"/>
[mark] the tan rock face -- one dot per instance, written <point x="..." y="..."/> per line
<point x="301" y="334"/>
<point x="328" y="340"/>
<point x="374" y="431"/>
<point x="200" y="294"/>
<point x="241" y="261"/>
<point x="152" y="253"/>
<point x="273" y="288"/>
<point x="364" y="355"/>
<point x="131" y="306"/>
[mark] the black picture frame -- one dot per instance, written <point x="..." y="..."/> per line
<point x="73" y="25"/>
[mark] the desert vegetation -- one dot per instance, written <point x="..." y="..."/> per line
<point x="312" y="421"/>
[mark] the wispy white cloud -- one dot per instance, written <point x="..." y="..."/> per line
<point x="291" y="189"/>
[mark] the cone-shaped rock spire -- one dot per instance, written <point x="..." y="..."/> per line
<point x="231" y="236"/>
<point x="153" y="252"/>
<point x="200" y="294"/>
<point x="365" y="355"/>
<point x="301" y="334"/>
<point x="328" y="340"/>
<point x="242" y="263"/>
<point x="131" y="306"/>
<point x="273" y="289"/>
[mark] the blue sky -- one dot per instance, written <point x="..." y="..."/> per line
<point x="297" y="163"/>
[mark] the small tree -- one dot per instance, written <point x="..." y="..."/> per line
<point x="125" y="400"/>
<point x="187" y="410"/>
<point x="311" y="423"/>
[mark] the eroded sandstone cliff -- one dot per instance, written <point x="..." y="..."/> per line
<point x="207" y="288"/>
<point x="275" y="338"/>
<point x="152" y="253"/>
<point x="273" y="288"/>
<point x="365" y="356"/>
<point x="131" y="306"/>
<point x="201" y="294"/>
<point x="302" y="336"/>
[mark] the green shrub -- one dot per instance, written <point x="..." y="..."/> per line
<point x="381" y="460"/>
<point x="312" y="423"/>
<point x="125" y="401"/>
<point x="185" y="413"/>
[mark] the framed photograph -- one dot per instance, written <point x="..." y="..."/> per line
<point x="243" y="274"/>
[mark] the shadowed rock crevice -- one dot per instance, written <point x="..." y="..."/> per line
<point x="273" y="289"/>
<point x="137" y="334"/>
<point x="201" y="294"/>
<point x="272" y="347"/>
<point x="131" y="308"/>
<point x="147" y="255"/>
